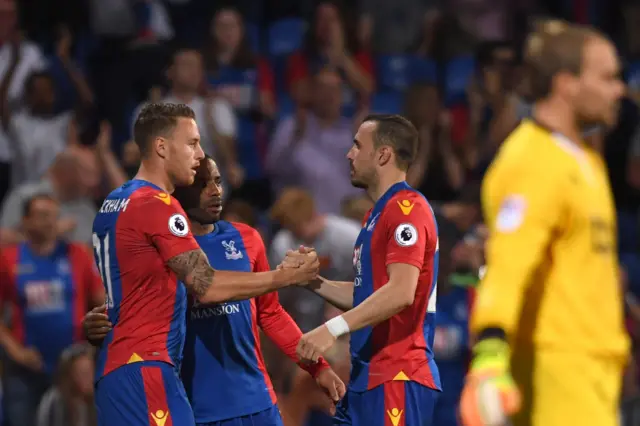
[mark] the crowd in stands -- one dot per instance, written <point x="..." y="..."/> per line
<point x="278" y="88"/>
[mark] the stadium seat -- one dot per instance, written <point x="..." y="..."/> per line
<point x="458" y="74"/>
<point x="387" y="102"/>
<point x="285" y="36"/>
<point x="392" y="71"/>
<point x="397" y="72"/>
<point x="423" y="71"/>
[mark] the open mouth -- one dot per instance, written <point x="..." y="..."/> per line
<point x="214" y="208"/>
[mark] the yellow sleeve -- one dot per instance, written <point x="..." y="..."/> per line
<point x="522" y="208"/>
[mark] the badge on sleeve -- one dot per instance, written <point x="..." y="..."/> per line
<point x="511" y="214"/>
<point x="178" y="225"/>
<point x="406" y="235"/>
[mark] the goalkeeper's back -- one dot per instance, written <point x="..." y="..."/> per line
<point x="553" y="279"/>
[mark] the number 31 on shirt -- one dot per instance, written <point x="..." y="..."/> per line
<point x="101" y="250"/>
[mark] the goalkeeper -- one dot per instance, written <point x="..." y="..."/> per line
<point x="551" y="345"/>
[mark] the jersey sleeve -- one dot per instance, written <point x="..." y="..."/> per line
<point x="407" y="228"/>
<point x="278" y="325"/>
<point x="522" y="212"/>
<point x="165" y="223"/>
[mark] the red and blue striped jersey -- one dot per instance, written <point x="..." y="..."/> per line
<point x="136" y="231"/>
<point x="223" y="368"/>
<point x="48" y="296"/>
<point x="400" y="228"/>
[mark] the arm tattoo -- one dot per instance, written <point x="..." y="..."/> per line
<point x="192" y="268"/>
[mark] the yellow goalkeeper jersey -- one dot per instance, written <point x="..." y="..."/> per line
<point x="552" y="278"/>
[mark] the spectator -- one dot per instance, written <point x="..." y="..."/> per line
<point x="438" y="171"/>
<point x="246" y="80"/>
<point x="47" y="284"/>
<point x="309" y="149"/>
<point x="331" y="43"/>
<point x="228" y="50"/>
<point x="332" y="236"/>
<point x="214" y="116"/>
<point x="19" y="58"/>
<point x="63" y="182"/>
<point x="37" y="133"/>
<point x="355" y="208"/>
<point x="394" y="26"/>
<point x="69" y="402"/>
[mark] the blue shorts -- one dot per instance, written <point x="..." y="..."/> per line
<point x="396" y="403"/>
<point x="143" y="394"/>
<point x="269" y="417"/>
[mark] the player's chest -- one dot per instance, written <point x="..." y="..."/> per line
<point x="591" y="210"/>
<point x="364" y="257"/>
<point x="44" y="286"/>
<point x="227" y="253"/>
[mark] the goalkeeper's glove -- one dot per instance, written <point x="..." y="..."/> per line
<point x="490" y="395"/>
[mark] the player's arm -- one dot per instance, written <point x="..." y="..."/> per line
<point x="389" y="300"/>
<point x="163" y="222"/>
<point x="338" y="293"/>
<point x="404" y="260"/>
<point x="214" y="286"/>
<point x="522" y="218"/>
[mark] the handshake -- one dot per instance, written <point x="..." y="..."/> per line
<point x="300" y="266"/>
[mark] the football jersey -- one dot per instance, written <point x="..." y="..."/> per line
<point x="136" y="231"/>
<point x="552" y="278"/>
<point x="400" y="228"/>
<point x="48" y="296"/>
<point x="223" y="370"/>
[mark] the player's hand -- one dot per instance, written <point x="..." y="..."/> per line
<point x="27" y="357"/>
<point x="315" y="343"/>
<point x="490" y="395"/>
<point x="332" y="386"/>
<point x="96" y="325"/>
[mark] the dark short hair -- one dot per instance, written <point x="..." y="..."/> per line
<point x="28" y="203"/>
<point x="189" y="195"/>
<point x="157" y="119"/>
<point x="398" y="133"/>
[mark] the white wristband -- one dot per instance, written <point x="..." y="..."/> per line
<point x="337" y="326"/>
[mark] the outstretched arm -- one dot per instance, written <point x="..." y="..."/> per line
<point x="214" y="286"/>
<point x="338" y="293"/>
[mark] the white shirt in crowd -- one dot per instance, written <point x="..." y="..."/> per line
<point x="36" y="143"/>
<point x="31" y="60"/>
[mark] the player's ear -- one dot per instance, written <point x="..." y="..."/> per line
<point x="384" y="154"/>
<point x="160" y="145"/>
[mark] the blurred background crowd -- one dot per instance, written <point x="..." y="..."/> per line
<point x="278" y="88"/>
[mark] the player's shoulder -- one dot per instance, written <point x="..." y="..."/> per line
<point x="80" y="251"/>
<point x="241" y="228"/>
<point x="407" y="202"/>
<point x="531" y="144"/>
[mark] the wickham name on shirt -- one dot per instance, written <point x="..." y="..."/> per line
<point x="114" y="206"/>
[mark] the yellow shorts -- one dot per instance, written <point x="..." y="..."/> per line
<point x="561" y="389"/>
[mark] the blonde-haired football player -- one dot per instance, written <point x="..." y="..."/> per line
<point x="551" y="345"/>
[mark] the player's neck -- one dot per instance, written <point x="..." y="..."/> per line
<point x="199" y="229"/>
<point x="557" y="117"/>
<point x="385" y="181"/>
<point x="156" y="176"/>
